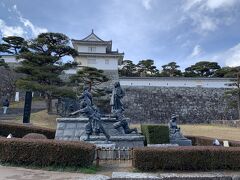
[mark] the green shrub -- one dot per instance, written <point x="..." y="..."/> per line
<point x="46" y="152"/>
<point x="187" y="158"/>
<point x="19" y="130"/>
<point x="34" y="136"/>
<point x="155" y="134"/>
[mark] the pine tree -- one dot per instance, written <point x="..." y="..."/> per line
<point x="92" y="77"/>
<point x="146" y="67"/>
<point x="202" y="69"/>
<point x="171" y="69"/>
<point x="43" y="66"/>
<point x="10" y="45"/>
<point x="129" y="69"/>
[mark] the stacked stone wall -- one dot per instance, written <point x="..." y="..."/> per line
<point x="192" y="105"/>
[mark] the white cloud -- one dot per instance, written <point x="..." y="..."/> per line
<point x="27" y="29"/>
<point x="208" y="4"/>
<point x="15" y="7"/>
<point x="10" y="30"/>
<point x="196" y="51"/>
<point x="35" y="29"/>
<point x="232" y="56"/>
<point x="188" y="4"/>
<point x="202" y="13"/>
<point x="215" y="4"/>
<point x="147" y="4"/>
<point x="207" y="23"/>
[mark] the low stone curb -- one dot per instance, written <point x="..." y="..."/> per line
<point x="127" y="175"/>
<point x="171" y="176"/>
<point x="98" y="177"/>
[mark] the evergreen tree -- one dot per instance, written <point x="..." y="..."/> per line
<point x="43" y="66"/>
<point x="171" y="69"/>
<point x="13" y="45"/>
<point x="129" y="69"/>
<point x="92" y="77"/>
<point x="227" y="72"/>
<point x="147" y="68"/>
<point x="10" y="45"/>
<point x="202" y="69"/>
<point x="3" y="64"/>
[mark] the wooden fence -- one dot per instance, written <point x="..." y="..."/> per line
<point x="113" y="154"/>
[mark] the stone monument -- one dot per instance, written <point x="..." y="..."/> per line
<point x="176" y="137"/>
<point x="103" y="130"/>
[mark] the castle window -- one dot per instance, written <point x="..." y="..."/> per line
<point x="91" y="49"/>
<point x="91" y="61"/>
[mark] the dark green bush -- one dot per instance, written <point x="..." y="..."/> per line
<point x="46" y="152"/>
<point x="19" y="130"/>
<point x="34" y="136"/>
<point x="155" y="134"/>
<point x="187" y="158"/>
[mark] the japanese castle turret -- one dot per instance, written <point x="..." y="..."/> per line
<point x="95" y="52"/>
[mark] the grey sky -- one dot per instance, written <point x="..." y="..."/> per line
<point x="185" y="31"/>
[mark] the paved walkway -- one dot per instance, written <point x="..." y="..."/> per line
<point x="15" y="173"/>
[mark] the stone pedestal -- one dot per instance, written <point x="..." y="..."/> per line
<point x="73" y="129"/>
<point x="181" y="141"/>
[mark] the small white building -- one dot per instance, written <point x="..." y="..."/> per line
<point x="11" y="60"/>
<point x="95" y="52"/>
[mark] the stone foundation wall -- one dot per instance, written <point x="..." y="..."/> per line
<point x="192" y="105"/>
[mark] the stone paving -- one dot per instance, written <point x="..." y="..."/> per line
<point x="116" y="171"/>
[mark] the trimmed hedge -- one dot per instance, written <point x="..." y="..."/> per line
<point x="34" y="136"/>
<point x="187" y="158"/>
<point x="46" y="152"/>
<point x="19" y="130"/>
<point x="155" y="134"/>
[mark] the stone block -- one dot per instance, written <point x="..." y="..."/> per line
<point x="182" y="142"/>
<point x="76" y="138"/>
<point x="81" y="125"/>
<point x="65" y="138"/>
<point x="79" y="132"/>
<point x="97" y="177"/>
<point x="71" y="125"/>
<point x="61" y="126"/>
<point x="68" y="132"/>
<point x="162" y="145"/>
<point x="129" y="175"/>
<point x="59" y="133"/>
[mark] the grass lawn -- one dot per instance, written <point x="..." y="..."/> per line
<point x="207" y="130"/>
<point x="41" y="118"/>
<point x="213" y="131"/>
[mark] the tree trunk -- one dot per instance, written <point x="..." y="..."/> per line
<point x="49" y="103"/>
<point x="90" y="86"/>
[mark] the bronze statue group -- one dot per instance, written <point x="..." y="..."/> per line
<point x="94" y="125"/>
